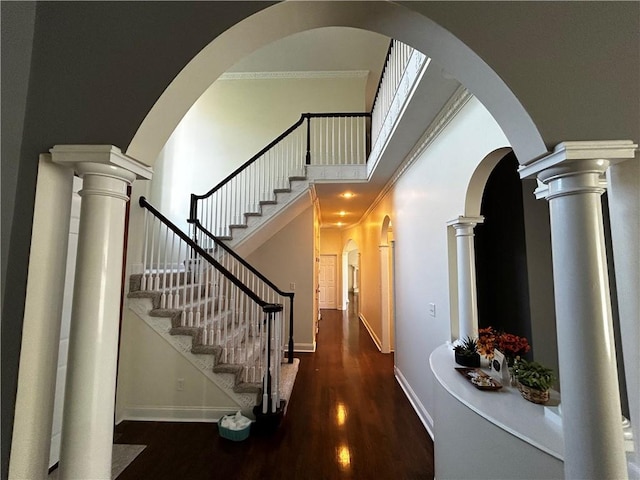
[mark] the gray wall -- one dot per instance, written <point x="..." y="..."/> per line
<point x="17" y="38"/>
<point x="97" y="68"/>
<point x="573" y="65"/>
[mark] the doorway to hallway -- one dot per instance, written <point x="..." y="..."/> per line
<point x="328" y="281"/>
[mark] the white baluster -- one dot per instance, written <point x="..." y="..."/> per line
<point x="150" y="284"/>
<point x="158" y="261"/>
<point x="183" y="285"/>
<point x="163" y="296"/>
<point x="171" y="274"/>
<point x="143" y="280"/>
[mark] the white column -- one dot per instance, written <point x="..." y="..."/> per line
<point x="466" y="266"/>
<point x="87" y="429"/>
<point x="572" y="183"/>
<point x="41" y="328"/>
<point x="385" y="298"/>
<point x="624" y="204"/>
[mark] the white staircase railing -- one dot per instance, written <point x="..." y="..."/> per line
<point x="402" y="70"/>
<point x="248" y="275"/>
<point x="240" y="324"/>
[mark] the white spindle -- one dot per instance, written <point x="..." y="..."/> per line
<point x="143" y="280"/>
<point x="163" y="296"/>
<point x="151" y="282"/>
<point x="170" y="301"/>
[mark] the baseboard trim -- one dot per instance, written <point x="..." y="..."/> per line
<point x="176" y="414"/>
<point x="417" y="405"/>
<point x="304" y="347"/>
<point x="372" y="334"/>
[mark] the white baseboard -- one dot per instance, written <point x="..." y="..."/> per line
<point x="175" y="414"/>
<point x="372" y="334"/>
<point x="304" y="347"/>
<point x="422" y="412"/>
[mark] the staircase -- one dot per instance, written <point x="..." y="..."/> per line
<point x="246" y="200"/>
<point x="203" y="298"/>
<point x="210" y="304"/>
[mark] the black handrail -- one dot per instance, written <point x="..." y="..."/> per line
<point x="193" y="214"/>
<point x="384" y="69"/>
<point x="338" y="114"/>
<point x="227" y="274"/>
<point x="193" y="210"/>
<point x="253" y="270"/>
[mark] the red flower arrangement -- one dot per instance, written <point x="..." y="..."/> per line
<point x="512" y="346"/>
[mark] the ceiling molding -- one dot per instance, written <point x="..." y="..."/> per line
<point x="294" y="75"/>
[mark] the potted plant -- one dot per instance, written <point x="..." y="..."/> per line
<point x="466" y="353"/>
<point x="534" y="380"/>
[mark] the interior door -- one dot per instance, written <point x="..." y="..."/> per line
<point x="327" y="281"/>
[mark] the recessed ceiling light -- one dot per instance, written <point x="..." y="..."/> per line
<point x="342" y="213"/>
<point x="339" y="224"/>
<point x="348" y="195"/>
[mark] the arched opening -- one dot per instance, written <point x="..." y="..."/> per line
<point x="513" y="261"/>
<point x="501" y="258"/>
<point x="392" y="20"/>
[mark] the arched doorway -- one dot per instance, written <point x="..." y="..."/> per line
<point x="351" y="276"/>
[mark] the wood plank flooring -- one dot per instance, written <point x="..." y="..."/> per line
<point x="348" y="418"/>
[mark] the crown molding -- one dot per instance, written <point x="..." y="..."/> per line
<point x="318" y="74"/>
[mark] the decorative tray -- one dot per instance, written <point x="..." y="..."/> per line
<point x="479" y="379"/>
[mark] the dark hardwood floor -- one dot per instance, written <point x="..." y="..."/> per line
<point x="348" y="418"/>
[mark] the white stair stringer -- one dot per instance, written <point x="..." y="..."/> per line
<point x="260" y="226"/>
<point x="204" y="362"/>
<point x="183" y="343"/>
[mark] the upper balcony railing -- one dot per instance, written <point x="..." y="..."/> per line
<point x="402" y="71"/>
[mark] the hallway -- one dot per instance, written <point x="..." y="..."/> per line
<point x="348" y="418"/>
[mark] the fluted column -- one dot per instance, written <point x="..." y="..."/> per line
<point x="572" y="182"/>
<point x="87" y="429"/>
<point x="466" y="266"/>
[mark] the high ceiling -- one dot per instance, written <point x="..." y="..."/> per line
<point x="349" y="49"/>
<point x="323" y="49"/>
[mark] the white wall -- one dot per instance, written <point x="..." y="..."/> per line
<point x="231" y="122"/>
<point x="286" y="258"/>
<point x="156" y="382"/>
<point x="430" y="193"/>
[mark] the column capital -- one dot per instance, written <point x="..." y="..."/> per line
<point x="461" y="222"/>
<point x="573" y="152"/>
<point x="107" y="160"/>
<point x="577" y="167"/>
